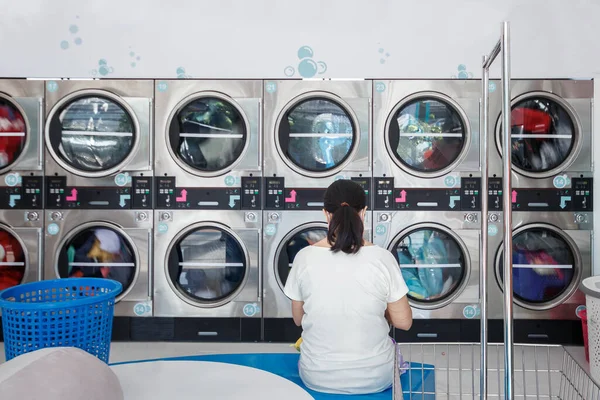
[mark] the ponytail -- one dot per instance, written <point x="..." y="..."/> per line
<point x="346" y="230"/>
<point x="344" y="200"/>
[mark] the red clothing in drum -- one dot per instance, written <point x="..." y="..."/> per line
<point x="10" y="146"/>
<point x="10" y="252"/>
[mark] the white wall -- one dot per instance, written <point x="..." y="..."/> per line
<point x="260" y="38"/>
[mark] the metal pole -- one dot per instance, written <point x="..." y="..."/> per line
<point x="507" y="208"/>
<point x="493" y="54"/>
<point x="484" y="230"/>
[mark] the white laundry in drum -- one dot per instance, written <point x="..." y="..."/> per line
<point x="193" y="380"/>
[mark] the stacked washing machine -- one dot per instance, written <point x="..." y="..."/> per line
<point x="551" y="154"/>
<point x="21" y="181"/>
<point x="427" y="198"/>
<point x="208" y="209"/>
<point x="315" y="132"/>
<point x="98" y="186"/>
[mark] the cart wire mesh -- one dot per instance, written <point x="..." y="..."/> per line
<point x="451" y="371"/>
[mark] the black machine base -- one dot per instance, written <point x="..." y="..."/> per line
<point x="276" y="330"/>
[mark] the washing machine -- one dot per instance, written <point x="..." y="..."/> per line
<point x="285" y="233"/>
<point x="315" y="133"/>
<point x="438" y="255"/>
<point x="552" y="254"/>
<point x="212" y="134"/>
<point x="551" y="137"/>
<point x="99" y="149"/>
<point x="21" y="146"/>
<point x="206" y="273"/>
<point x="427" y="142"/>
<point x="116" y="245"/>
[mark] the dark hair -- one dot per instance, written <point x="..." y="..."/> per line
<point x="344" y="199"/>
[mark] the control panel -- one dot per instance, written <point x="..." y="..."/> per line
<point x="494" y="194"/>
<point x="61" y="196"/>
<point x="280" y="197"/>
<point x="29" y="195"/>
<point x="251" y="193"/>
<point x="577" y="198"/>
<point x="465" y="198"/>
<point x="142" y="192"/>
<point x="171" y="196"/>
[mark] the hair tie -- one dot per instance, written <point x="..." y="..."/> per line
<point x="344" y="204"/>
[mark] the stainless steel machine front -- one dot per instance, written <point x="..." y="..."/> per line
<point x="98" y="139"/>
<point x="21" y="144"/>
<point x="115" y="245"/>
<point x="426" y="133"/>
<point x="207" y="264"/>
<point x="551" y="256"/>
<point x="438" y="255"/>
<point x="317" y="131"/>
<point x="551" y="132"/>
<point x="210" y="129"/>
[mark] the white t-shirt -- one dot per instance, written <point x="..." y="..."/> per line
<point x="346" y="347"/>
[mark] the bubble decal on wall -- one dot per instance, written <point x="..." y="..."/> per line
<point x="181" y="73"/>
<point x="73" y="30"/>
<point x="462" y="73"/>
<point x="134" y="58"/>
<point x="383" y="55"/>
<point x="103" y="68"/>
<point x="307" y="67"/>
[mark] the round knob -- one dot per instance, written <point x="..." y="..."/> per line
<point x="142" y="216"/>
<point x="579" y="218"/>
<point x="32" y="216"/>
<point x="55" y="216"/>
<point x="385" y="217"/>
<point x="274" y="217"/>
<point x="251" y="216"/>
<point x="470" y="217"/>
<point x="493" y="217"/>
<point x="165" y="216"/>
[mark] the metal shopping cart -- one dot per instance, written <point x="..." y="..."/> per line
<point x="451" y="371"/>
<point x="457" y="371"/>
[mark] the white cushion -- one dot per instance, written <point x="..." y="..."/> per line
<point x="61" y="373"/>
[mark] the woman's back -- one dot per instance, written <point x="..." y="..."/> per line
<point x="346" y="348"/>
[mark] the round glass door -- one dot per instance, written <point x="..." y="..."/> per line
<point x="291" y="245"/>
<point x="434" y="265"/>
<point x="12" y="260"/>
<point x="92" y="134"/>
<point x="98" y="252"/>
<point x="317" y="136"/>
<point x="544" y="267"/>
<point x="208" y="135"/>
<point x="207" y="265"/>
<point x="426" y="134"/>
<point x="13" y="133"/>
<point x="544" y="134"/>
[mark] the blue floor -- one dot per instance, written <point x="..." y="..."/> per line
<point x="286" y="366"/>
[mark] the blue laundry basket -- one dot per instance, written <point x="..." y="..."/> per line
<point x="70" y="312"/>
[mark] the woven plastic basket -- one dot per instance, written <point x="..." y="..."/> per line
<point x="72" y="312"/>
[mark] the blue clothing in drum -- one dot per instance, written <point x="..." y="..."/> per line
<point x="101" y="253"/>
